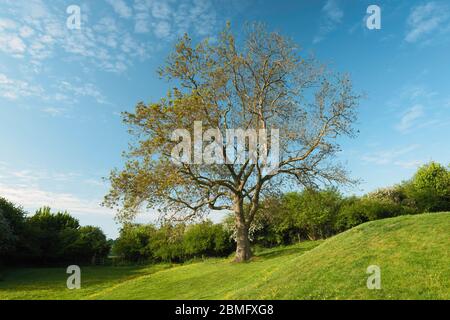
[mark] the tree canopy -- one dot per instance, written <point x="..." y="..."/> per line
<point x="262" y="82"/>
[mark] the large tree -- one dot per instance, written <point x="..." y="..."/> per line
<point x="260" y="81"/>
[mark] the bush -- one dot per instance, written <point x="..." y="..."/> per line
<point x="206" y="239"/>
<point x="429" y="189"/>
<point x="355" y="211"/>
<point x="395" y="194"/>
<point x="277" y="222"/>
<point x="133" y="243"/>
<point x="316" y="212"/>
<point x="172" y="243"/>
<point x="91" y="245"/>
<point x="167" y="243"/>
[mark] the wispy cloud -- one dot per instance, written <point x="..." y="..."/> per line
<point x="83" y="90"/>
<point x="332" y="16"/>
<point x="167" y="20"/>
<point x="13" y="89"/>
<point x="33" y="188"/>
<point x="410" y="118"/>
<point x="411" y="164"/>
<point x="57" y="98"/>
<point x="390" y="156"/>
<point x="52" y="111"/>
<point x="32" y="198"/>
<point x="36" y="30"/>
<point x="427" y="21"/>
<point x="121" y="8"/>
<point x="417" y="107"/>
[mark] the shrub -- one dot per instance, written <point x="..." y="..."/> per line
<point x="167" y="243"/>
<point x="395" y="194"/>
<point x="133" y="243"/>
<point x="314" y="211"/>
<point x="355" y="211"/>
<point x="429" y="189"/>
<point x="206" y="239"/>
<point x="91" y="245"/>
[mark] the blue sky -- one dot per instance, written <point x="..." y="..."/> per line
<point x="62" y="90"/>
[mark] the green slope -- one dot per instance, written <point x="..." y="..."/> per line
<point x="413" y="253"/>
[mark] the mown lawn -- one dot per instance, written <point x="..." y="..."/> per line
<point x="413" y="253"/>
<point x="50" y="283"/>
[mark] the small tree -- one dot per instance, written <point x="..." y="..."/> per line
<point x="430" y="188"/>
<point x="263" y="83"/>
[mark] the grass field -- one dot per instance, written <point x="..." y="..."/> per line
<point x="413" y="253"/>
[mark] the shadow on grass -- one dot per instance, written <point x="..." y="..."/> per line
<point x="42" y="278"/>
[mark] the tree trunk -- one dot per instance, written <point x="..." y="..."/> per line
<point x="243" y="252"/>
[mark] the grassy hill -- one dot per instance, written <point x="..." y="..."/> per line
<point x="413" y="253"/>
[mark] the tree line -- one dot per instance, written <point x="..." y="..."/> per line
<point x="309" y="214"/>
<point x="48" y="238"/>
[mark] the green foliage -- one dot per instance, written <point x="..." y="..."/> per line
<point x="413" y="261"/>
<point x="91" y="245"/>
<point x="172" y="242"/>
<point x="167" y="244"/>
<point x="54" y="234"/>
<point x="47" y="238"/>
<point x="133" y="243"/>
<point x="429" y="189"/>
<point x="296" y="216"/>
<point x="316" y="211"/>
<point x="355" y="211"/>
<point x="206" y="239"/>
<point x="7" y="238"/>
<point x="12" y="224"/>
<point x="395" y="194"/>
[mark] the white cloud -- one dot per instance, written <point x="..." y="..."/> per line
<point x="64" y="92"/>
<point x="332" y="15"/>
<point x="26" y="32"/>
<point x="168" y="19"/>
<point x="121" y="8"/>
<point x="25" y="187"/>
<point x="391" y="156"/>
<point x="53" y="111"/>
<point x="37" y="31"/>
<point x="416" y="93"/>
<point x="12" y="44"/>
<point x="162" y="29"/>
<point x="411" y="164"/>
<point x="33" y="198"/>
<point x="427" y="21"/>
<point x="161" y="10"/>
<point x="409" y="118"/>
<point x="82" y="89"/>
<point x="13" y="89"/>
